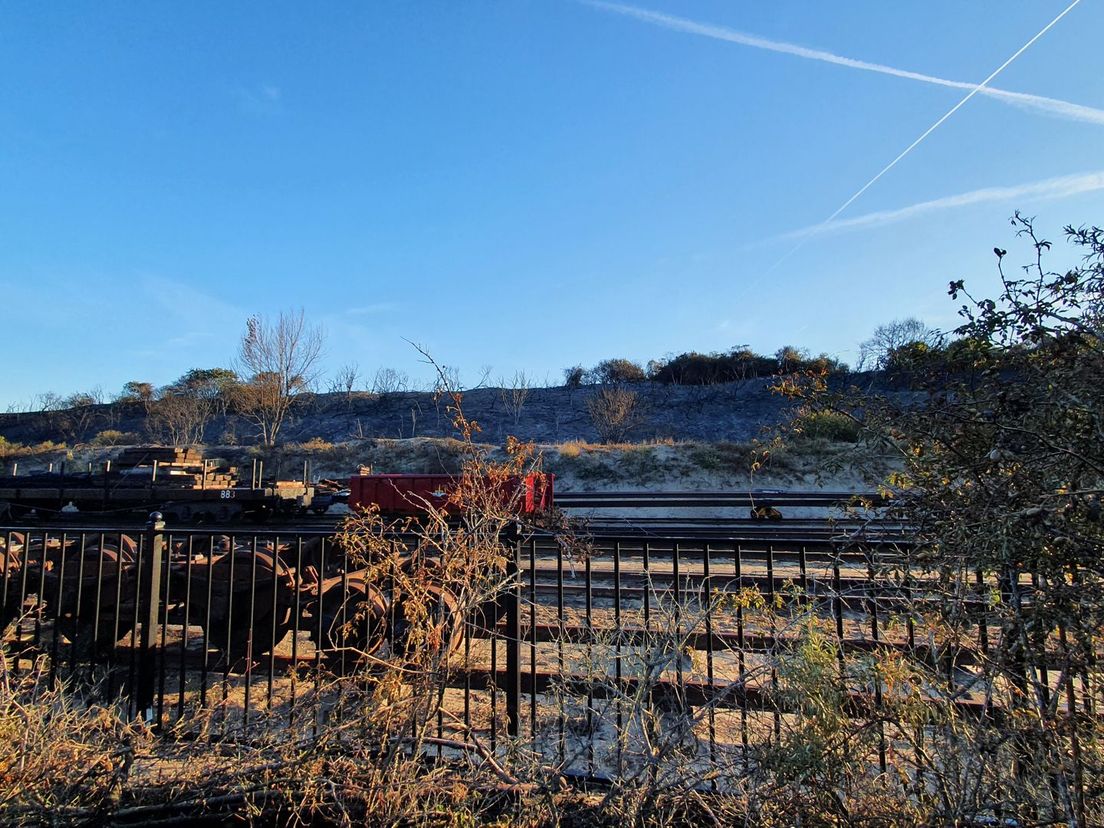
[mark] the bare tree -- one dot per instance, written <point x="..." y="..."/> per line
<point x="514" y="394"/>
<point x="877" y="352"/>
<point x="390" y="381"/>
<point x="614" y="411"/>
<point x="448" y="379"/>
<point x="48" y="401"/>
<point x="280" y="358"/>
<point x="178" y="417"/>
<point x="345" y="380"/>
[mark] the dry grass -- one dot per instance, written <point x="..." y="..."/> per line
<point x="44" y="449"/>
<point x="798" y="464"/>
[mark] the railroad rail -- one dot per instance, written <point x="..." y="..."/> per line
<point x="700" y="499"/>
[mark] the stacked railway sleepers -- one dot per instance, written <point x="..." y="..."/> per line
<point x="184" y="468"/>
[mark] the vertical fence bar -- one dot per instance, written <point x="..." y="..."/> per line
<point x="207" y="620"/>
<point x="872" y="608"/>
<point x="134" y="618"/>
<point x="9" y="562"/>
<point x="58" y="598"/>
<point x="165" y="592"/>
<point x="320" y="631"/>
<point x="619" y="635"/>
<point x="24" y="577"/>
<point x="773" y="654"/>
<point x="136" y="599"/>
<point x="837" y="608"/>
<point x="41" y="587"/>
<point x="79" y="606"/>
<point x="295" y="629"/>
<point x="469" y="630"/>
<point x="560" y="663"/>
<point x="343" y="626"/>
<point x="588" y="572"/>
<point x="274" y="624"/>
<point x="501" y="610"/>
<point x="150" y="603"/>
<point x="512" y="690"/>
<point x="228" y="617"/>
<point x="533" y="642"/>
<point x="910" y="643"/>
<point x="98" y="609"/>
<point x="251" y="637"/>
<point x="1075" y="739"/>
<point x="679" y="678"/>
<point x="189" y="550"/>
<point x="741" y="658"/>
<point x="707" y="590"/>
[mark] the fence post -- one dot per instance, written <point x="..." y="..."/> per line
<point x="512" y="690"/>
<point x="149" y="603"/>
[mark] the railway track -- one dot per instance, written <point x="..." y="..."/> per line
<point x="714" y="499"/>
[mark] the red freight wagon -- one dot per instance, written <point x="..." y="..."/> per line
<point x="408" y="493"/>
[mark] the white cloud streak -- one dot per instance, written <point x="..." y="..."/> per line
<point x="1035" y="103"/>
<point x="1051" y="188"/>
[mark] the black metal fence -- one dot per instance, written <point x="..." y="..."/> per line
<point x="255" y="626"/>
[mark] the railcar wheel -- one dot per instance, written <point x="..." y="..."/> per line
<point x="11" y="564"/>
<point x="440" y="628"/>
<point x="94" y="594"/>
<point x="350" y="618"/>
<point x="251" y="596"/>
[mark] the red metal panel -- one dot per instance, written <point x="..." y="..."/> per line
<point x="408" y="493"/>
<point x="399" y="493"/>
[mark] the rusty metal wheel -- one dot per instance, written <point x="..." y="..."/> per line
<point x="93" y="592"/>
<point x="349" y="618"/>
<point x="11" y="564"/>
<point x="437" y="624"/>
<point x="251" y="596"/>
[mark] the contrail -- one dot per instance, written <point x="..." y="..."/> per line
<point x="1061" y="187"/>
<point x="925" y="134"/>
<point x="1038" y="103"/>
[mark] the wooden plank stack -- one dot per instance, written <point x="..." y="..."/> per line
<point x="179" y="468"/>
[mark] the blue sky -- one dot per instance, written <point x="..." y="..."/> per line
<point x="520" y="185"/>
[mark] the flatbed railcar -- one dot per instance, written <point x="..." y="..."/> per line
<point x="179" y="483"/>
<point x="17" y="502"/>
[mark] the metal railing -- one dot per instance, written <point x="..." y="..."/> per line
<point x="256" y="625"/>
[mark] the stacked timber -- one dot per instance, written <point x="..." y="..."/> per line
<point x="178" y="468"/>
<point x="162" y="455"/>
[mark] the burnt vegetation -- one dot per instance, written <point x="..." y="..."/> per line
<point x="954" y="679"/>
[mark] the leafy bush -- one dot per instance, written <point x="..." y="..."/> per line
<point x="827" y="425"/>
<point x="114" y="437"/>
<point x="1002" y="470"/>
<point x="8" y="449"/>
<point x="574" y="376"/>
<point x="613" y="371"/>
<point x="738" y="364"/>
<point x="573" y="448"/>
<point x="315" y="444"/>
